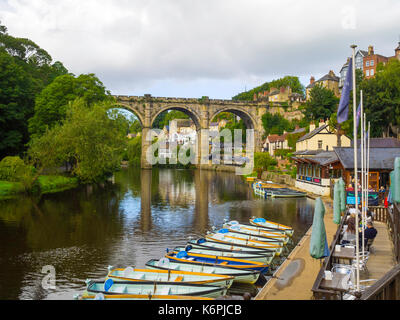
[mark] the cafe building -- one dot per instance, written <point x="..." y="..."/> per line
<point x="317" y="172"/>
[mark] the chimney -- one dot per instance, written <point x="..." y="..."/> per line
<point x="331" y="73"/>
<point x="397" y="52"/>
<point x="283" y="89"/>
<point x="312" y="126"/>
<point x="312" y="80"/>
<point x="255" y="97"/>
<point x="297" y="127"/>
<point x="321" y="123"/>
<point x="370" y="50"/>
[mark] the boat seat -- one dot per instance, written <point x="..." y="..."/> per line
<point x="165" y="291"/>
<point x="178" y="279"/>
<point x="125" y="290"/>
<point x="139" y="276"/>
<point x="224" y="263"/>
<point x="191" y="259"/>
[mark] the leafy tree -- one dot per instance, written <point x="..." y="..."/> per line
<point x="321" y="105"/>
<point x="135" y="127"/>
<point x="166" y="117"/>
<point x="52" y="103"/>
<point x="288" y="81"/>
<point x="135" y="151"/>
<point x="25" y="69"/>
<point x="88" y="138"/>
<point x="382" y="99"/>
<point x="275" y="124"/>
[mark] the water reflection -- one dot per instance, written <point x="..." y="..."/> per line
<point x="80" y="232"/>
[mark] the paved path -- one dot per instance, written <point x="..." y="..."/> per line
<point x="296" y="276"/>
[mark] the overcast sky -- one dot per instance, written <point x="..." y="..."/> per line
<point x="195" y="48"/>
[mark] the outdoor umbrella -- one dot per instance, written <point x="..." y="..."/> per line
<point x="336" y="203"/>
<point x="395" y="181"/>
<point x="342" y="192"/>
<point x="318" y="242"/>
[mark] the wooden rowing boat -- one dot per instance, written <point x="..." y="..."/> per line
<point x="261" y="222"/>
<point x="211" y="260"/>
<point x="240" y="276"/>
<point x="109" y="287"/>
<point x="237" y="255"/>
<point x="148" y="275"/>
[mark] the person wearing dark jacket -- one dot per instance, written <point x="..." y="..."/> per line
<point x="369" y="233"/>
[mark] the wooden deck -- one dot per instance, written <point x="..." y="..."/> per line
<point x="382" y="257"/>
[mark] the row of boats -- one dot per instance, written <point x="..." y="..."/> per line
<point x="269" y="190"/>
<point x="202" y="269"/>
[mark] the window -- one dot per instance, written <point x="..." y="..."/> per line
<point x="367" y="63"/>
<point x="319" y="144"/>
<point x="372" y="72"/>
<point x="371" y="63"/>
<point x="367" y="73"/>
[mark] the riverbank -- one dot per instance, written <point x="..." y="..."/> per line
<point x="45" y="185"/>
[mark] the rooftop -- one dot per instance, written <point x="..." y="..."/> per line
<point x="380" y="158"/>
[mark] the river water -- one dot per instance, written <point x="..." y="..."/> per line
<point x="135" y="218"/>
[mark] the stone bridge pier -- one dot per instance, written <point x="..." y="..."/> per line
<point x="201" y="111"/>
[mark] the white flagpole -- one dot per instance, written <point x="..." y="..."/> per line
<point x="368" y="154"/>
<point x="355" y="168"/>
<point x="362" y="175"/>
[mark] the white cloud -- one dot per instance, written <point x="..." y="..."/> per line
<point x="160" y="46"/>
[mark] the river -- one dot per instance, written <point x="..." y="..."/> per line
<point x="126" y="222"/>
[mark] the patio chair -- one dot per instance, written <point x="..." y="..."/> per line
<point x="369" y="246"/>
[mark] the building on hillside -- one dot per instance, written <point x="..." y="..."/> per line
<point x="279" y="142"/>
<point x="275" y="142"/>
<point x="320" y="139"/>
<point x="281" y="95"/>
<point x="182" y="131"/>
<point x="372" y="60"/>
<point x="329" y="81"/>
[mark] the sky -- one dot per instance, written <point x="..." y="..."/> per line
<point x="195" y="48"/>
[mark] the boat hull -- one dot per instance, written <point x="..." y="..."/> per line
<point x="147" y="275"/>
<point x="217" y="260"/>
<point x="240" y="276"/>
<point x="158" y="288"/>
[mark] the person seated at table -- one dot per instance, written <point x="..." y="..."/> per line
<point x="369" y="233"/>
<point x="349" y="233"/>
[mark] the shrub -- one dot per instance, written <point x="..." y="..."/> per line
<point x="134" y="151"/>
<point x="14" y="169"/>
<point x="262" y="160"/>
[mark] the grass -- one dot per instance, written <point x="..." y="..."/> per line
<point x="9" y="189"/>
<point x="53" y="184"/>
<point x="47" y="184"/>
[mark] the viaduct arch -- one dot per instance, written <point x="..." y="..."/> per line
<point x="201" y="111"/>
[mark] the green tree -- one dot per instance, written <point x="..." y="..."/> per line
<point x="275" y="124"/>
<point x="287" y="81"/>
<point x="25" y="69"/>
<point x="321" y="105"/>
<point x="166" y="117"/>
<point x="89" y="138"/>
<point x="382" y="99"/>
<point x="52" y="103"/>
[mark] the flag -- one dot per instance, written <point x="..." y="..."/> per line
<point x="343" y="110"/>
<point x="358" y="115"/>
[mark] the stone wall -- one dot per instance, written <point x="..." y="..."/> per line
<point x="278" y="178"/>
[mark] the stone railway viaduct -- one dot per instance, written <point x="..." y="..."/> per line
<point x="201" y="111"/>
